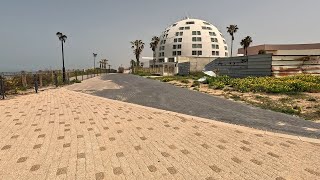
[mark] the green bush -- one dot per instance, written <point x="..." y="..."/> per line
<point x="292" y="84"/>
<point x="75" y="81"/>
<point x="168" y="79"/>
<point x="195" y="84"/>
<point x="185" y="81"/>
<point x="142" y="73"/>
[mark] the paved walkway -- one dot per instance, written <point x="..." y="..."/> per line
<point x="62" y="134"/>
<point x="151" y="93"/>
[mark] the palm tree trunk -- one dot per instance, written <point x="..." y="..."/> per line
<point x="231" y="47"/>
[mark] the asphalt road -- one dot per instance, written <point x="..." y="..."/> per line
<point x="152" y="93"/>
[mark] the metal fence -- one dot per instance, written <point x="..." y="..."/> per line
<point x="12" y="83"/>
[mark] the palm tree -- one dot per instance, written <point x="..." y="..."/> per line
<point x="232" y="29"/>
<point x="137" y="47"/>
<point x="245" y="43"/>
<point x="153" y="45"/>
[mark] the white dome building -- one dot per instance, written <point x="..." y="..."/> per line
<point x="191" y="38"/>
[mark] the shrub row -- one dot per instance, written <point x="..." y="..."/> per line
<point x="290" y="84"/>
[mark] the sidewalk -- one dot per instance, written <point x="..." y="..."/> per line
<point x="62" y="134"/>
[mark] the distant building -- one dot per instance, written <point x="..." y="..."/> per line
<point x="284" y="49"/>
<point x="189" y="40"/>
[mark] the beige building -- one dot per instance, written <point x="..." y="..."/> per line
<point x="284" y="49"/>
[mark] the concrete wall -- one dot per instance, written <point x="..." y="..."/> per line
<point x="291" y="65"/>
<point x="197" y="64"/>
<point x="259" y="65"/>
<point x="266" y="65"/>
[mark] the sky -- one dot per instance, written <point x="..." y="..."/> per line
<point x="106" y="27"/>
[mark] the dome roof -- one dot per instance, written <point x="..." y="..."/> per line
<point x="191" y="37"/>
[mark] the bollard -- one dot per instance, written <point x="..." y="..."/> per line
<point x="36" y="86"/>
<point x="2" y="90"/>
<point x="82" y="75"/>
<point x="24" y="79"/>
<point x="56" y="79"/>
<point x="40" y="79"/>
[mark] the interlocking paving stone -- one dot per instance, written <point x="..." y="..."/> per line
<point x="62" y="171"/>
<point x="99" y="176"/>
<point x="120" y="154"/>
<point x="117" y="170"/>
<point x="189" y="148"/>
<point x="152" y="168"/>
<point x="172" y="170"/>
<point x="35" y="167"/>
<point x="6" y="147"/>
<point x="22" y="159"/>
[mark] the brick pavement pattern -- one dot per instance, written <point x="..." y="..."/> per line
<point x="61" y="134"/>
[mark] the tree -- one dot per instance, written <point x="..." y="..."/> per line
<point x="137" y="47"/>
<point x="153" y="45"/>
<point x="232" y="29"/>
<point x="245" y="43"/>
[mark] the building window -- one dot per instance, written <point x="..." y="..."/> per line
<point x="190" y="22"/>
<point x="203" y="27"/>
<point x="224" y="41"/>
<point x="179" y="33"/>
<point x="179" y="39"/>
<point x="174" y="47"/>
<point x="181" y="28"/>
<point x="160" y="54"/>
<point x="214" y="40"/>
<point x="174" y="53"/>
<point x="196" y="33"/>
<point x="196" y="45"/>
<point x="209" y="28"/>
<point x="175" y="40"/>
<point x="226" y="54"/>
<point x="195" y="39"/>
<point x="179" y="46"/>
<point x="173" y="25"/>
<point x="215" y="46"/>
<point x="206" y="23"/>
<point x="187" y="28"/>
<point x="195" y="53"/>
<point x="212" y="33"/>
<point x="164" y="41"/>
<point x="225" y="48"/>
<point x="179" y="53"/>
<point x="215" y="53"/>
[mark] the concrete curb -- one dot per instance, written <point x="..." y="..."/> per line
<point x="238" y="127"/>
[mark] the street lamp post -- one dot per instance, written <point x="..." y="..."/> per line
<point x="62" y="38"/>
